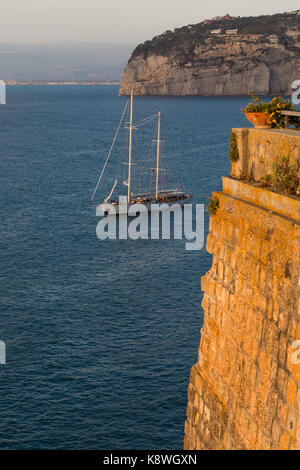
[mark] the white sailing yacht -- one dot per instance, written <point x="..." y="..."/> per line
<point x="159" y="196"/>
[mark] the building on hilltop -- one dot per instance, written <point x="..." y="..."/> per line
<point x="220" y="18"/>
<point x="231" y="32"/>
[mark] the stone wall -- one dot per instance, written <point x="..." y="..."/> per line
<point x="259" y="149"/>
<point x="244" y="391"/>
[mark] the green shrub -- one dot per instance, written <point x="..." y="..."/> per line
<point x="285" y="176"/>
<point x="272" y="110"/>
<point x="255" y="106"/>
<point x="213" y="205"/>
<point x="234" y="150"/>
<point x="267" y="180"/>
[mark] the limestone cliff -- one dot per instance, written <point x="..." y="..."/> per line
<point x="227" y="57"/>
<point x="244" y="391"/>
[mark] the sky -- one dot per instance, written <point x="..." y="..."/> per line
<point x="115" y="21"/>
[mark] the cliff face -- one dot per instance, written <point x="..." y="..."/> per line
<point x="244" y="391"/>
<point x="260" y="54"/>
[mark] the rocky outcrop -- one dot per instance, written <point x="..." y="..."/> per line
<point x="260" y="54"/>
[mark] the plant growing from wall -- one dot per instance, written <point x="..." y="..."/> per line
<point x="267" y="180"/>
<point x="213" y="205"/>
<point x="234" y="150"/>
<point x="285" y="176"/>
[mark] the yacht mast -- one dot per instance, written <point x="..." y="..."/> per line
<point x="157" y="155"/>
<point x="130" y="148"/>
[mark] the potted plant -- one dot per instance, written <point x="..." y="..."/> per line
<point x="266" y="115"/>
<point x="274" y="108"/>
<point x="256" y="113"/>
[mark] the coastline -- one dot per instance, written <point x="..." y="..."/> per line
<point x="54" y="82"/>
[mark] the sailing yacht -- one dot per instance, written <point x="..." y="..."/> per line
<point x="159" y="196"/>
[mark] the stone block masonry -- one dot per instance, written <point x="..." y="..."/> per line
<point x="244" y="391"/>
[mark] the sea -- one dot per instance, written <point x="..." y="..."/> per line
<point x="100" y="335"/>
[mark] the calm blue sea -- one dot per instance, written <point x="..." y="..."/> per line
<point x="100" y="336"/>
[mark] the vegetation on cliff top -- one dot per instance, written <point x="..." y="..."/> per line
<point x="285" y="176"/>
<point x="188" y="36"/>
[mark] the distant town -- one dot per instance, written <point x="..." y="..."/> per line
<point x="47" y="82"/>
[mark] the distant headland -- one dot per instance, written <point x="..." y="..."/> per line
<point x="218" y="57"/>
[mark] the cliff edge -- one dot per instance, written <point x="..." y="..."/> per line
<point x="244" y="391"/>
<point x="220" y="57"/>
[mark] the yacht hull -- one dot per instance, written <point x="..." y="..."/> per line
<point x="124" y="209"/>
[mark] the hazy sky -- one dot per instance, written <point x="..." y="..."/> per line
<point x="116" y="21"/>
